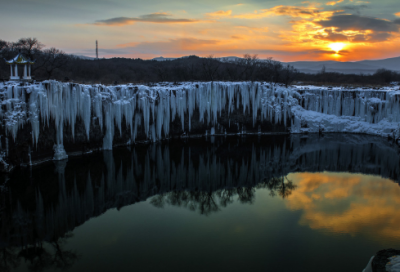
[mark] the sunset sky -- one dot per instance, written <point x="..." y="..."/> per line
<point x="287" y="30"/>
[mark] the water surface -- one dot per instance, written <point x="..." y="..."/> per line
<point x="268" y="203"/>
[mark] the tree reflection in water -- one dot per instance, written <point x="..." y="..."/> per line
<point x="209" y="202"/>
<point x="40" y="256"/>
<point x="204" y="202"/>
<point x="36" y="256"/>
<point x="279" y="186"/>
<point x="9" y="259"/>
<point x="63" y="258"/>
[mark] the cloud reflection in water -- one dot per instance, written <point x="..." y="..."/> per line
<point x="348" y="203"/>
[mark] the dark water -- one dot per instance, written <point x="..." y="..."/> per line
<point x="270" y="203"/>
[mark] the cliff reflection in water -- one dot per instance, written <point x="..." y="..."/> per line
<point x="46" y="203"/>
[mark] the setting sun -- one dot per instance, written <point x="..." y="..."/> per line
<point x="336" y="47"/>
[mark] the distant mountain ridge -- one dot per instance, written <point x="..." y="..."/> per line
<point x="356" y="67"/>
<point x="313" y="67"/>
<point x="349" y="67"/>
<point x="81" y="57"/>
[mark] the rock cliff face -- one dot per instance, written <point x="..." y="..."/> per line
<point x="51" y="120"/>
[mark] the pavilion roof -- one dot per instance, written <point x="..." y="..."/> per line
<point x="20" y="59"/>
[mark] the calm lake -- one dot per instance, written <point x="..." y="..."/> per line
<point x="250" y="203"/>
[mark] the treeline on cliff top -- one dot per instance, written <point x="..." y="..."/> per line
<point x="52" y="63"/>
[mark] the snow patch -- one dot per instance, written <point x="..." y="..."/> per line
<point x="59" y="153"/>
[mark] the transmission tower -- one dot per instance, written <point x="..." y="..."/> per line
<point x="97" y="50"/>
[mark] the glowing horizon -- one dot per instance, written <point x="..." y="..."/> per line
<point x="348" y="30"/>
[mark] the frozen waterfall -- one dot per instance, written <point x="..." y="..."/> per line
<point x="132" y="109"/>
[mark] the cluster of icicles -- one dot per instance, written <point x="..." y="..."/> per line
<point x="371" y="105"/>
<point x="152" y="109"/>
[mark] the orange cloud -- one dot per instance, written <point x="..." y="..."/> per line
<point x="332" y="3"/>
<point x="347" y="203"/>
<point x="397" y="14"/>
<point x="131" y="44"/>
<point x="235" y="37"/>
<point x="172" y="45"/>
<point x="158" y="17"/>
<point x="292" y="11"/>
<point x="219" y="14"/>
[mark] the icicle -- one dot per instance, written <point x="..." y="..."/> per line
<point x="109" y="126"/>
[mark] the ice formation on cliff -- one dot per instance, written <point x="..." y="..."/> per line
<point x="368" y="111"/>
<point x="310" y="109"/>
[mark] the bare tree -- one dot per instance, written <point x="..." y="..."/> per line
<point x="288" y="74"/>
<point x="192" y="68"/>
<point x="29" y="46"/>
<point x="384" y="75"/>
<point x="161" y="70"/>
<point x="4" y="53"/>
<point x="250" y="64"/>
<point x="3" y="45"/>
<point x="276" y="69"/>
<point x="270" y="70"/>
<point x="53" y="59"/>
<point x="233" y="71"/>
<point x="210" y="67"/>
